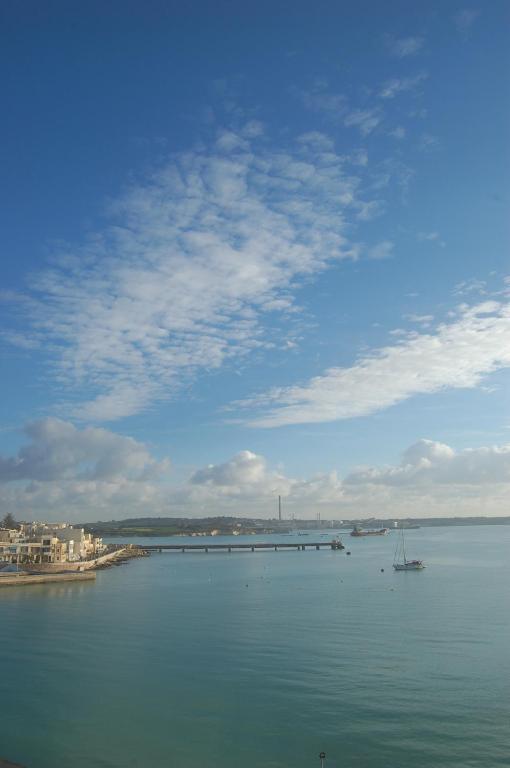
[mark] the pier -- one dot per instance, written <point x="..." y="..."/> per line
<point x="256" y="546"/>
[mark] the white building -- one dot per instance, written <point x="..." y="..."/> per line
<point x="48" y="543"/>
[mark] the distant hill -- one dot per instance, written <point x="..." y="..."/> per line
<point x="173" y="526"/>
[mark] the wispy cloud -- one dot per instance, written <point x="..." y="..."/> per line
<point x="405" y="46"/>
<point x="396" y="85"/>
<point x="320" y="98"/>
<point x="364" y="119"/>
<point x="398" y="133"/>
<point x="473" y="285"/>
<point x="431" y="237"/>
<point x="424" y="320"/>
<point x="428" y="142"/>
<point x="191" y="263"/>
<point x="382" y="250"/>
<point x="465" y="19"/>
<point x="333" y="106"/>
<point x="456" y="355"/>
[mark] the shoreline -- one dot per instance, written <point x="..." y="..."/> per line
<point x="14" y="580"/>
<point x="45" y="573"/>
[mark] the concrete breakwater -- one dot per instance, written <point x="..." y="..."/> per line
<point x="22" y="579"/>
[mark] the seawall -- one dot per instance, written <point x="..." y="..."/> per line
<point x="44" y="578"/>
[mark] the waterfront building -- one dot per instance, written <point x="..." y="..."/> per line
<point x="38" y="542"/>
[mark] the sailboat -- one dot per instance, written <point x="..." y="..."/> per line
<point x="400" y="561"/>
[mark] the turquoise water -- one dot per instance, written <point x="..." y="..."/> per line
<point x="265" y="659"/>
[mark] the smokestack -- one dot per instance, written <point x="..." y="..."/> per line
<point x="279" y="508"/>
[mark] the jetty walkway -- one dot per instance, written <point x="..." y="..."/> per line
<point x="256" y="546"/>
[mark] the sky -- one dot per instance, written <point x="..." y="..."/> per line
<point x="254" y="249"/>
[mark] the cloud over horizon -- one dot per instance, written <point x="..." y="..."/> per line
<point x="91" y="474"/>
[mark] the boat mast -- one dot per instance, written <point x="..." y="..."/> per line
<point x="400" y="549"/>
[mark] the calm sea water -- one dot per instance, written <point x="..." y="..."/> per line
<point x="265" y="659"/>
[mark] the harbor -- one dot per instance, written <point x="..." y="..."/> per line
<point x="223" y="645"/>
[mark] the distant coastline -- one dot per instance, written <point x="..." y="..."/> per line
<point x="225" y="526"/>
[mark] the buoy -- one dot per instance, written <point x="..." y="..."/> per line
<point x="382" y="570"/>
<point x="347" y="553"/>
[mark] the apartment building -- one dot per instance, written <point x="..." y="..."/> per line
<point x="48" y="543"/>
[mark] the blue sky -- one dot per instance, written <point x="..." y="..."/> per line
<point x="251" y="250"/>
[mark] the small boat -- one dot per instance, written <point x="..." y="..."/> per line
<point x="369" y="532"/>
<point x="400" y="561"/>
<point x="410" y="565"/>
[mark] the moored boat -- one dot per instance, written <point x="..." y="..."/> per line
<point x="369" y="532"/>
<point x="409" y="565"/>
<point x="400" y="561"/>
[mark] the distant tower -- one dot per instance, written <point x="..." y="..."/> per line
<point x="280" y="508"/>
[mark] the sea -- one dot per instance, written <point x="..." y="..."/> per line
<point x="267" y="659"/>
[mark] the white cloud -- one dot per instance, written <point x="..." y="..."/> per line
<point x="396" y="85"/>
<point x="189" y="265"/>
<point x="245" y="475"/>
<point x="246" y="479"/>
<point x="90" y="474"/>
<point x="428" y="463"/>
<point x="457" y="355"/>
<point x="80" y="474"/>
<point x="432" y="479"/>
<point x="59" y="451"/>
<point x="364" y="119"/>
<point x="246" y="468"/>
<point x="405" y="46"/>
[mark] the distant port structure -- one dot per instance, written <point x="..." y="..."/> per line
<point x="335" y="544"/>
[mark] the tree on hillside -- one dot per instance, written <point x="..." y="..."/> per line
<point x="9" y="521"/>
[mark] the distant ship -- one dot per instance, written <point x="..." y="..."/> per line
<point x="369" y="532"/>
